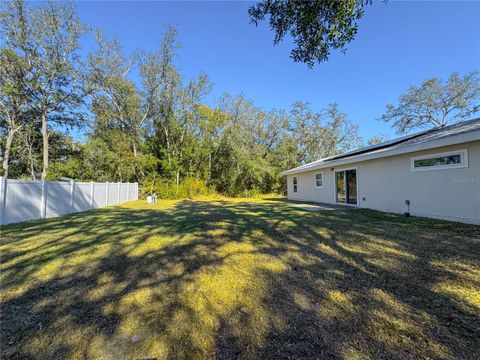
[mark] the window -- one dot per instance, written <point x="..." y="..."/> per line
<point x="295" y="184"/>
<point x="448" y="160"/>
<point x="319" y="180"/>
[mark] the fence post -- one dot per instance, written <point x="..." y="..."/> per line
<point x="43" y="204"/>
<point x="3" y="198"/>
<point x="136" y="191"/>
<point x="106" y="200"/>
<point x="128" y="191"/>
<point x="72" y="194"/>
<point x="92" y="193"/>
<point x="118" y="193"/>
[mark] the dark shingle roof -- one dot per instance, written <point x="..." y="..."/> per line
<point x="409" y="140"/>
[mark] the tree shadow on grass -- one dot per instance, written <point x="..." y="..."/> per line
<point x="226" y="279"/>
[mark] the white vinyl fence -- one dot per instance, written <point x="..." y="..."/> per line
<point x="22" y="200"/>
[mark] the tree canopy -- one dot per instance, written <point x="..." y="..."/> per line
<point x="436" y="103"/>
<point x="40" y="50"/>
<point x="316" y="26"/>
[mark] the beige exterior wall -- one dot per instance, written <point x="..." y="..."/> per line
<point x="384" y="184"/>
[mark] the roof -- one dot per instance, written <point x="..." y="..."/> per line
<point x="448" y="135"/>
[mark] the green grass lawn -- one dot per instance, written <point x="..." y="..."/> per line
<point x="239" y="278"/>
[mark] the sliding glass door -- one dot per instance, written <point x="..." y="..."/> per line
<point x="351" y="186"/>
<point x="346" y="186"/>
<point x="340" y="181"/>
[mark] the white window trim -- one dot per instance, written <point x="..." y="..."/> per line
<point x="463" y="164"/>
<point x="318" y="173"/>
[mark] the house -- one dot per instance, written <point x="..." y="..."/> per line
<point x="434" y="173"/>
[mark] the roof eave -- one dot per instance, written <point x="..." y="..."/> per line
<point x="450" y="140"/>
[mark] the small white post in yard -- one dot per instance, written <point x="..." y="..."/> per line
<point x="3" y="198"/>
<point x="72" y="194"/>
<point x="106" y="199"/>
<point x="128" y="191"/>
<point x="43" y="203"/>
<point x="92" y="193"/>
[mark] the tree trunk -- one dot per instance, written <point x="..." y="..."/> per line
<point x="178" y="180"/>
<point x="45" y="143"/>
<point x="209" y="166"/>
<point x="134" y="149"/>
<point x="31" y="159"/>
<point x="6" y="154"/>
<point x="32" y="168"/>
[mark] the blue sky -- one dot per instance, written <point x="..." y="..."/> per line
<point x="398" y="44"/>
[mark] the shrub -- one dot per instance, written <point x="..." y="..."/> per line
<point x="190" y="188"/>
<point x="257" y="194"/>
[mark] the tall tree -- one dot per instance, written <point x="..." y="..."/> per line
<point x="322" y="134"/>
<point x="436" y="103"/>
<point x="209" y="124"/>
<point x="44" y="41"/>
<point x="15" y="111"/>
<point x="306" y="132"/>
<point x="316" y="26"/>
<point x="339" y="133"/>
<point x="126" y="105"/>
<point x="160" y="76"/>
<point x="173" y="106"/>
<point x="29" y="149"/>
<point x="240" y="162"/>
<point x="58" y="90"/>
<point x="121" y="110"/>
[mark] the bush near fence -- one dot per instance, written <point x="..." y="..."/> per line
<point x="192" y="188"/>
<point x="22" y="200"/>
<point x="188" y="189"/>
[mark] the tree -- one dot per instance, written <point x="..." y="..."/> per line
<point x="110" y="158"/>
<point x="173" y="106"/>
<point x="121" y="110"/>
<point x="44" y="43"/>
<point x="241" y="159"/>
<point x="317" y="26"/>
<point x="436" y="103"/>
<point x="322" y="134"/>
<point x="377" y="139"/>
<point x="209" y="124"/>
<point x="15" y="112"/>
<point x="26" y="152"/>
<point x="340" y="134"/>
<point x="29" y="149"/>
<point x="14" y="106"/>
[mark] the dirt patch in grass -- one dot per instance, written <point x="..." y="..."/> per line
<point x="239" y="278"/>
